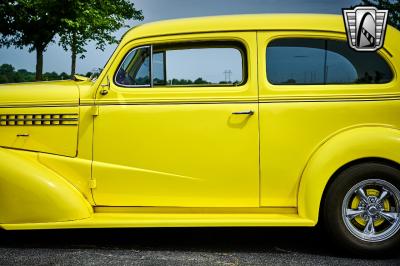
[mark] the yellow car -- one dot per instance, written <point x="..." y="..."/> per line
<point x="250" y="120"/>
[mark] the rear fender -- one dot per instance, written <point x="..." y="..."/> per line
<point x="343" y="148"/>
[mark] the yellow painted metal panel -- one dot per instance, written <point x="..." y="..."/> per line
<point x="41" y="129"/>
<point x="47" y="93"/>
<point x="341" y="148"/>
<point x="85" y="134"/>
<point x="31" y="193"/>
<point x="77" y="171"/>
<point x="194" y="155"/>
<point x="189" y="210"/>
<point x="312" y="22"/>
<point x="291" y="132"/>
<point x="118" y="220"/>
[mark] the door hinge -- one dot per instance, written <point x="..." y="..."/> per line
<point x="92" y="183"/>
<point x="95" y="111"/>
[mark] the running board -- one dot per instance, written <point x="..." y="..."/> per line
<point x="141" y="220"/>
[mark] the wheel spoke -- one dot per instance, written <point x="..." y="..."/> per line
<point x="383" y="196"/>
<point x="351" y="214"/>
<point x="369" y="229"/>
<point x="371" y="210"/>
<point x="360" y="192"/>
<point x="390" y="216"/>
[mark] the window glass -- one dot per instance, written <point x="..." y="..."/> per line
<point x="184" y="64"/>
<point x="135" y="69"/>
<point x="159" y="68"/>
<point x="314" y="61"/>
<point x="346" y="66"/>
<point x="199" y="66"/>
<point x="296" y="61"/>
<point x="339" y="69"/>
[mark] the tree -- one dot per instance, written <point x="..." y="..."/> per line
<point x="32" y="23"/>
<point x="6" y="69"/>
<point x="200" y="81"/>
<point x="95" y="20"/>
<point x="8" y="74"/>
<point x="392" y="5"/>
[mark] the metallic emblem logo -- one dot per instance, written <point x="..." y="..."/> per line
<point x="366" y="27"/>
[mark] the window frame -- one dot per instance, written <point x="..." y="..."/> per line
<point x="237" y="45"/>
<point x="326" y="39"/>
<point x="123" y="61"/>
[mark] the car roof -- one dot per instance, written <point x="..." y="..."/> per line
<point x="317" y="22"/>
<point x="253" y="22"/>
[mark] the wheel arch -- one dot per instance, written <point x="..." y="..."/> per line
<point x="353" y="146"/>
<point x="376" y="160"/>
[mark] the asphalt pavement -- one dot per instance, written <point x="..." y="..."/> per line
<point x="178" y="246"/>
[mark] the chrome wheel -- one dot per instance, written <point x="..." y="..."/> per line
<point x="371" y="210"/>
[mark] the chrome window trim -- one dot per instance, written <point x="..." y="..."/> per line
<point x="123" y="61"/>
<point x="245" y="73"/>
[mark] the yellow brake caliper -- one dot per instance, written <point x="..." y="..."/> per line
<point x="356" y="201"/>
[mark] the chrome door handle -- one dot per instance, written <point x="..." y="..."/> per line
<point x="23" y="135"/>
<point x="247" y="112"/>
<point x="104" y="92"/>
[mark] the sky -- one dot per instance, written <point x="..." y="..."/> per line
<point x="56" y="59"/>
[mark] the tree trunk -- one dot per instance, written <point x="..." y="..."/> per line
<point x="73" y="55"/>
<point x="39" y="63"/>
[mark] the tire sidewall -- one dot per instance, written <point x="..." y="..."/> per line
<point x="332" y="211"/>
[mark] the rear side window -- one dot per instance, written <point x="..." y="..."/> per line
<point x="314" y="61"/>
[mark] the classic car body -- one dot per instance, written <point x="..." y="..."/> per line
<point x="82" y="154"/>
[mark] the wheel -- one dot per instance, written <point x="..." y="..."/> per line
<point x="362" y="209"/>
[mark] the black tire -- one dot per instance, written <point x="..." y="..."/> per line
<point x="333" y="220"/>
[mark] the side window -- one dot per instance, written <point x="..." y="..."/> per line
<point x="184" y="64"/>
<point x="296" y="61"/>
<point x="346" y="66"/>
<point x="135" y="68"/>
<point x="199" y="66"/>
<point x="159" y="75"/>
<point x="315" y="61"/>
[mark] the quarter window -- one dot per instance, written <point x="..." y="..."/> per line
<point x="315" y="61"/>
<point x="135" y="68"/>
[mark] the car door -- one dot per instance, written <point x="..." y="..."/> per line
<point x="179" y="124"/>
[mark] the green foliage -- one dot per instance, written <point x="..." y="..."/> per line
<point x="8" y="74"/>
<point x="392" y="5"/>
<point x="32" y="23"/>
<point x="89" y="74"/>
<point x="95" y="20"/>
<point x="198" y="81"/>
<point x="35" y="23"/>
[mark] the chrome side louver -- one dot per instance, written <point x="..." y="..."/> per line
<point x="38" y="119"/>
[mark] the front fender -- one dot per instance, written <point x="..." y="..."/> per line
<point x="32" y="193"/>
<point x="377" y="141"/>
